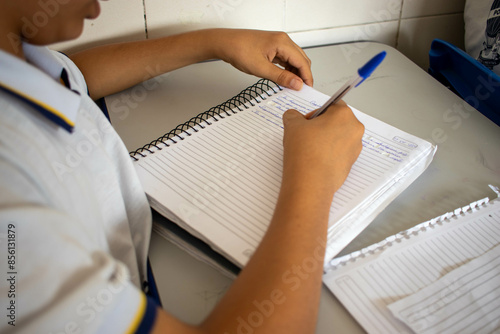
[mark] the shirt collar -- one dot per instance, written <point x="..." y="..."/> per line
<point x="37" y="81"/>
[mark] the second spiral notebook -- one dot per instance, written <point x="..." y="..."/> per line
<point x="218" y="175"/>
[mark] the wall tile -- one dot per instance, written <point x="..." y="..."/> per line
<point x="384" y="32"/>
<point x="416" y="35"/>
<point x="315" y="22"/>
<point x="118" y="21"/>
<point x="320" y="14"/>
<point x="168" y="17"/>
<point x="417" y="8"/>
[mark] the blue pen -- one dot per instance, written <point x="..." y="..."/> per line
<point x="363" y="73"/>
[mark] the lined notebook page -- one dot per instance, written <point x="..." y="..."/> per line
<point x="466" y="300"/>
<point x="221" y="183"/>
<point x="366" y="282"/>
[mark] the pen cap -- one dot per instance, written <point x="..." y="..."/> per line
<point x="365" y="71"/>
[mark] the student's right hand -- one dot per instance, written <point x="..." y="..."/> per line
<point x="319" y="152"/>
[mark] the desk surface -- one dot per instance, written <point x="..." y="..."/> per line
<point x="399" y="93"/>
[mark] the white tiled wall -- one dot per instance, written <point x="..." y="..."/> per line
<point x="409" y="25"/>
<point x="167" y="16"/>
<point x="416" y="34"/>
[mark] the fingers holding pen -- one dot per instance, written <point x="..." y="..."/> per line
<point x="326" y="145"/>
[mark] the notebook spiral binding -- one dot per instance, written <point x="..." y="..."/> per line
<point x="407" y="234"/>
<point x="250" y="95"/>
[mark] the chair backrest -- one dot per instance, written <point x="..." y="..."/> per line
<point x="471" y="80"/>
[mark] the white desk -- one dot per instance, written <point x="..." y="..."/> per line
<point x="399" y="93"/>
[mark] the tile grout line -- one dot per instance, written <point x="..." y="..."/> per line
<point x="396" y="42"/>
<point x="145" y="19"/>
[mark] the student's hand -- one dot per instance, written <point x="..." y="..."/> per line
<point x="321" y="151"/>
<point x="256" y="52"/>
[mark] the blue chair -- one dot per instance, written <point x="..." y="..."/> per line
<point x="472" y="81"/>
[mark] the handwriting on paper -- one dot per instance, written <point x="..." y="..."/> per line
<point x="377" y="145"/>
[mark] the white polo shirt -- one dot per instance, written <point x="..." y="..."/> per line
<point x="74" y="221"/>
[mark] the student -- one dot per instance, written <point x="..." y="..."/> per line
<point x="72" y="209"/>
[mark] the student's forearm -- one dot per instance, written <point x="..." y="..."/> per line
<point x="112" y="68"/>
<point x="281" y="283"/>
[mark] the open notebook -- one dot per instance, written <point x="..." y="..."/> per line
<point x="441" y="276"/>
<point x="218" y="175"/>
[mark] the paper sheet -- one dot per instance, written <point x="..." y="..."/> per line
<point x="369" y="280"/>
<point x="466" y="300"/>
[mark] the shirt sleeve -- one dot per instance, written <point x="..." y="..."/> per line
<point x="61" y="282"/>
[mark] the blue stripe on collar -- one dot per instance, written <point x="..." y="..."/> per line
<point x="44" y="84"/>
<point x="47" y="111"/>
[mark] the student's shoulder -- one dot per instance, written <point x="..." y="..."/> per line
<point x="74" y="73"/>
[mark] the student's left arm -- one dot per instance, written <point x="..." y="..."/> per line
<point x="112" y="68"/>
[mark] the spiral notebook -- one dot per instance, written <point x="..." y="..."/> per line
<point x="441" y="276"/>
<point x="218" y="175"/>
